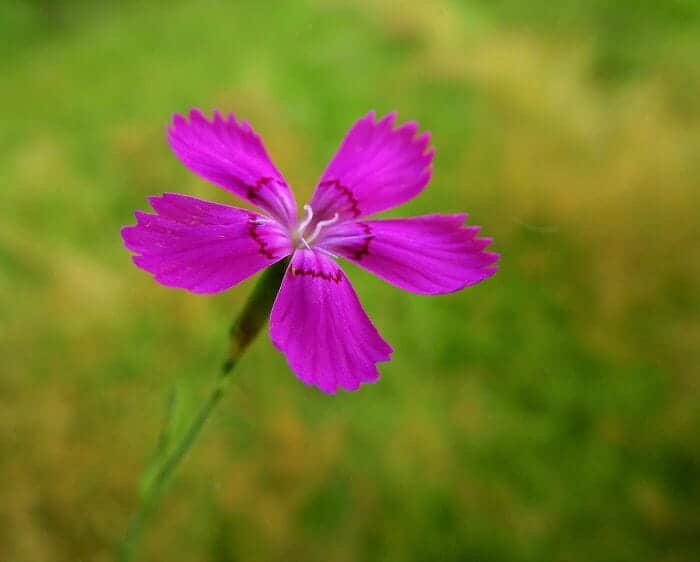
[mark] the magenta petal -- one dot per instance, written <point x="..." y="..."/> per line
<point x="318" y="323"/>
<point x="232" y="155"/>
<point x="202" y="246"/>
<point x="429" y="254"/>
<point x="376" y="167"/>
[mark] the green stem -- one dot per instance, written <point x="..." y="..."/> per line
<point x="243" y="331"/>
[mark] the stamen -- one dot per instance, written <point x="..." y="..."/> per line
<point x="320" y="225"/>
<point x="308" y="217"/>
<point x="324" y="251"/>
<point x="341" y="238"/>
<point x="305" y="242"/>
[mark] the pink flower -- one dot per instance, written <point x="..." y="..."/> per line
<point x="317" y="320"/>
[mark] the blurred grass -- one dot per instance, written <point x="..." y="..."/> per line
<point x="549" y="414"/>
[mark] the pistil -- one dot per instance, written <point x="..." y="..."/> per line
<point x="299" y="235"/>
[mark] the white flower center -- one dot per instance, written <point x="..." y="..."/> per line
<point x="304" y="239"/>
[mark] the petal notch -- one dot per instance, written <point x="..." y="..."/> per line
<point x="319" y="324"/>
<point x="429" y="254"/>
<point x="377" y="167"/>
<point x="231" y="154"/>
<point x="202" y="246"/>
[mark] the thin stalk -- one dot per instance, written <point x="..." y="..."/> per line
<point x="243" y="331"/>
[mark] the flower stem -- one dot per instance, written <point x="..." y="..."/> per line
<point x="243" y="331"/>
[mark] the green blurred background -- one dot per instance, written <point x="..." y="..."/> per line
<point x="551" y="413"/>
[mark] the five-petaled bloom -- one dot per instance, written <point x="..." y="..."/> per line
<point x="316" y="320"/>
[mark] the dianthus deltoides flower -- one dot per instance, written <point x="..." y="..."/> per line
<point x="317" y="320"/>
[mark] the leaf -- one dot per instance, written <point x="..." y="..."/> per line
<point x="180" y="407"/>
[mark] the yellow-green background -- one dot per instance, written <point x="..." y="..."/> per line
<point x="551" y="413"/>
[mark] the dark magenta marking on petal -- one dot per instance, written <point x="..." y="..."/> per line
<point x="253" y="232"/>
<point x="363" y="250"/>
<point x="295" y="271"/>
<point x="259" y="184"/>
<point x="264" y="181"/>
<point x="354" y="205"/>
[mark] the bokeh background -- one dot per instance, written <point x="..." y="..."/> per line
<point x="551" y="413"/>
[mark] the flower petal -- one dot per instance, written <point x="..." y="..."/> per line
<point x="232" y="155"/>
<point x="376" y="167"/>
<point x="430" y="254"/>
<point x="202" y="246"/>
<point x="320" y="326"/>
